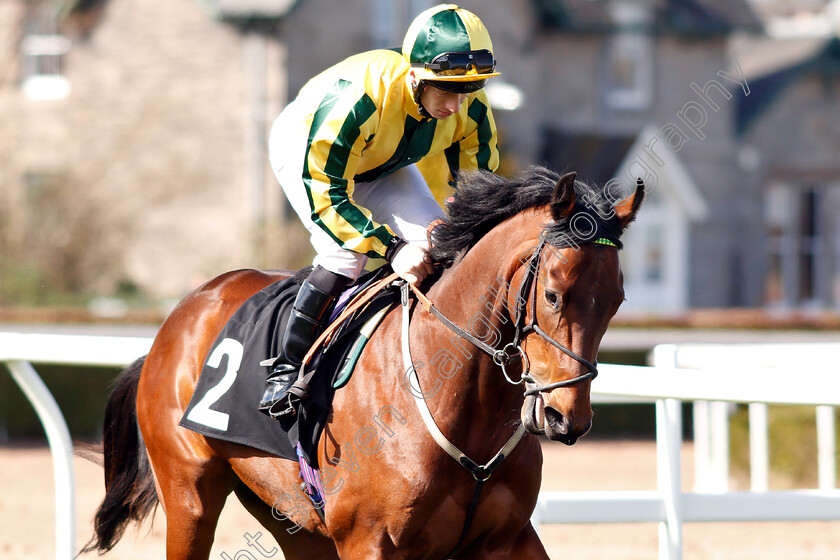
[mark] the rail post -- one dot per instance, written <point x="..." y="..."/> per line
<point x="61" y="447"/>
<point x="668" y="467"/>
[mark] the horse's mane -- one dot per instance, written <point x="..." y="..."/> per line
<point x="483" y="200"/>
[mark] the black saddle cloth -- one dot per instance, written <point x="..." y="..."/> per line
<point x="224" y="404"/>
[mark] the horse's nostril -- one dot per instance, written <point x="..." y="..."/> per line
<point x="559" y="423"/>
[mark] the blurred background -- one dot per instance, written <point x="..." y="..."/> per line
<point x="133" y="168"/>
<point x="133" y="161"/>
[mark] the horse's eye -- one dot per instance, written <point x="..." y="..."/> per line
<point x="552" y="298"/>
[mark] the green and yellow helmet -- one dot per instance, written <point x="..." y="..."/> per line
<point x="450" y="47"/>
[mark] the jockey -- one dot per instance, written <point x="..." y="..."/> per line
<point x="343" y="152"/>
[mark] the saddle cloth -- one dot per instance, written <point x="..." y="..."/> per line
<point x="224" y="404"/>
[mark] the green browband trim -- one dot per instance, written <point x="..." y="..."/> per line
<point x="605" y="241"/>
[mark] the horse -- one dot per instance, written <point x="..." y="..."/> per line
<point x="529" y="280"/>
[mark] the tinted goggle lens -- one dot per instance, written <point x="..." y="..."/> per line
<point x="460" y="63"/>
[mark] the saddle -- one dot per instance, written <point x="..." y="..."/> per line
<point x="347" y="313"/>
<point x="224" y="404"/>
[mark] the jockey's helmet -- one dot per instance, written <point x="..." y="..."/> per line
<point x="450" y="48"/>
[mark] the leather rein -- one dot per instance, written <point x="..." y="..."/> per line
<point x="502" y="358"/>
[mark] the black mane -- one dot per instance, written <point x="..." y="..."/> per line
<point x="483" y="200"/>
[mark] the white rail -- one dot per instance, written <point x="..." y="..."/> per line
<point x="18" y="351"/>
<point x="711" y="419"/>
<point x="666" y="386"/>
<point x="668" y="505"/>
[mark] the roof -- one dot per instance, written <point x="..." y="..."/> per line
<point x="600" y="158"/>
<point x="672" y="177"/>
<point x="766" y="89"/>
<point x="789" y="8"/>
<point x="594" y="157"/>
<point x="686" y="17"/>
<point x="761" y="55"/>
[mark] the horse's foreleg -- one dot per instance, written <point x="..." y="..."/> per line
<point x="525" y="546"/>
<point x="529" y="545"/>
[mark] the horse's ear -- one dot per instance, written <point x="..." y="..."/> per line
<point x="627" y="209"/>
<point x="563" y="199"/>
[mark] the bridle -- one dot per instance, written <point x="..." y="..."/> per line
<point x="529" y="287"/>
<point x="513" y="351"/>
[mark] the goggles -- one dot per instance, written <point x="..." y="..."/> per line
<point x="460" y="63"/>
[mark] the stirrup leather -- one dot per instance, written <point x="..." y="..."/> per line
<point x="288" y="404"/>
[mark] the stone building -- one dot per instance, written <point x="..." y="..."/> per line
<point x="789" y="133"/>
<point x="130" y="136"/>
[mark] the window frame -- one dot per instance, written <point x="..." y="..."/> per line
<point x="42" y="69"/>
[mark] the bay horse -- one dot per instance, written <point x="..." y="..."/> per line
<point x="532" y="260"/>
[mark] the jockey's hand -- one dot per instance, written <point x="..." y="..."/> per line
<point x="410" y="263"/>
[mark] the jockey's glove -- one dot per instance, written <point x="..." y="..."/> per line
<point x="411" y="264"/>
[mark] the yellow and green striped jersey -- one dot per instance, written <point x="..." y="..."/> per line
<point x="363" y="124"/>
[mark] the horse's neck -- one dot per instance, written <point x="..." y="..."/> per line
<point x="480" y="286"/>
<point x="473" y="294"/>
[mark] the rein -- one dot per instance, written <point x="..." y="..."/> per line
<point x="501" y="357"/>
<point x="481" y="473"/>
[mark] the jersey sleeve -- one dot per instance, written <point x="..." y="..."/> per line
<point x="340" y="125"/>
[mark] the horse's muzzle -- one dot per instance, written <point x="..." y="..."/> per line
<point x="539" y="419"/>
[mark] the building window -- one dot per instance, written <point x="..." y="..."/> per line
<point x="629" y="70"/>
<point x="800" y="261"/>
<point x="43" y="67"/>
<point x="654" y="265"/>
<point x="834" y="223"/>
<point x="809" y="240"/>
<point x="629" y="64"/>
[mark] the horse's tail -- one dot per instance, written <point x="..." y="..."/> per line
<point x="129" y="485"/>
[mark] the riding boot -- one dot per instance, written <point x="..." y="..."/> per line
<point x="306" y="322"/>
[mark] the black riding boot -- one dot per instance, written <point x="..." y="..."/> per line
<point x="307" y="320"/>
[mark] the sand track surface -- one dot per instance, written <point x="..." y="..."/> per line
<point x="27" y="516"/>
